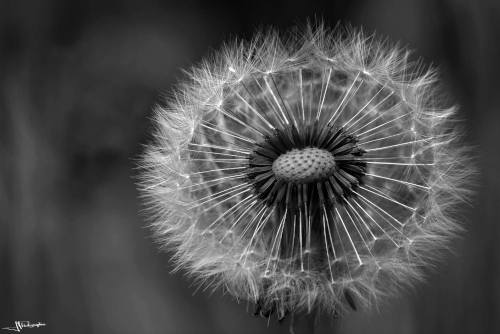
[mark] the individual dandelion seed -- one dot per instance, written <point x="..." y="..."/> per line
<point x="310" y="174"/>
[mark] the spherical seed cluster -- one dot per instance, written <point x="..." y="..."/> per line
<point x="356" y="223"/>
<point x="304" y="165"/>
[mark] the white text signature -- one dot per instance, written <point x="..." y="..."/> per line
<point x="19" y="325"/>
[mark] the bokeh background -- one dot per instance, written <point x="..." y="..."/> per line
<point x="78" y="80"/>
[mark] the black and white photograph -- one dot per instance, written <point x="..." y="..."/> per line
<point x="223" y="167"/>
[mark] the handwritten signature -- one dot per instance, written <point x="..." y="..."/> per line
<point x="19" y="325"/>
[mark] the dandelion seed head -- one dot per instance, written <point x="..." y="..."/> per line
<point x="317" y="173"/>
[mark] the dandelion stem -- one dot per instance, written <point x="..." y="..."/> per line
<point x="305" y="323"/>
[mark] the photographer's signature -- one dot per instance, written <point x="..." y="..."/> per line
<point x="19" y="325"/>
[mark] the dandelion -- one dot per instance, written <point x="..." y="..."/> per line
<point x="320" y="173"/>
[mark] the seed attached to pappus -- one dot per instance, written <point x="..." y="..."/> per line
<point x="320" y="173"/>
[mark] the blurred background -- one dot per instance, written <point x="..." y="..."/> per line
<point x="78" y="80"/>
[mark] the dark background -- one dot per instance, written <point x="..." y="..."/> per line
<point x="77" y="83"/>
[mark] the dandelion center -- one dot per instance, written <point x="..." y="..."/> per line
<point x="304" y="166"/>
<point x="311" y="163"/>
